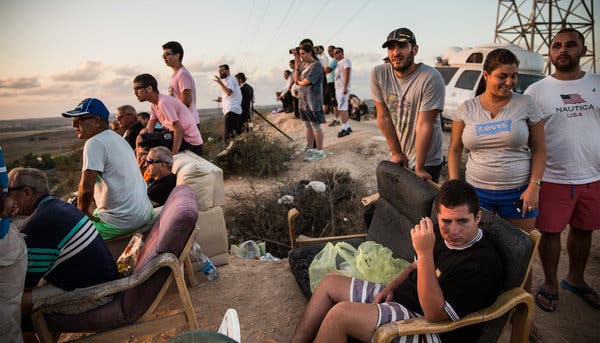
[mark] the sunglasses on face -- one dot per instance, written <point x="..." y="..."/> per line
<point x="152" y="161"/>
<point x="76" y="120"/>
<point x="168" y="54"/>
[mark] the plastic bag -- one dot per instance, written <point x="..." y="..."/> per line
<point x="249" y="249"/>
<point x="322" y="264"/>
<point x="129" y="256"/>
<point x="375" y="263"/>
<point x="371" y="261"/>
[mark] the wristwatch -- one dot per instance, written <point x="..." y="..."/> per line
<point x="536" y="182"/>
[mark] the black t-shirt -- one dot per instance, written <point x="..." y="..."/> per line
<point x="134" y="131"/>
<point x="159" y="190"/>
<point x="470" y="279"/>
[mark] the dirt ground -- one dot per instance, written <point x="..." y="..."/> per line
<point x="267" y="298"/>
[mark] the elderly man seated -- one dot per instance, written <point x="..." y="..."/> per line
<point x="109" y="174"/>
<point x="63" y="247"/>
<point x="457" y="271"/>
<point x="159" y="162"/>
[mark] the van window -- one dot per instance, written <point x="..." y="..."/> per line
<point x="525" y="80"/>
<point x="476" y="57"/>
<point x="467" y="79"/>
<point x="447" y="73"/>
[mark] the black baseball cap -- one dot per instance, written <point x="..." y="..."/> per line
<point x="400" y="35"/>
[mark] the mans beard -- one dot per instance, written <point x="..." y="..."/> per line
<point x="404" y="64"/>
<point x="565" y="63"/>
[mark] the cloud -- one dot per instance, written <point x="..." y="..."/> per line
<point x="197" y="66"/>
<point x="128" y="71"/>
<point x="87" y="71"/>
<point x="47" y="90"/>
<point x="20" y="83"/>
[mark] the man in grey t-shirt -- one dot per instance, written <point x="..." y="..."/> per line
<point x="409" y="97"/>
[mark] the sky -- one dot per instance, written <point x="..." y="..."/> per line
<point x="56" y="53"/>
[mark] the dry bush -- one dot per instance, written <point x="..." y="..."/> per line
<point x="337" y="211"/>
<point x="256" y="154"/>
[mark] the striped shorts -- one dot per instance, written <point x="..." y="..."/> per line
<point x="362" y="291"/>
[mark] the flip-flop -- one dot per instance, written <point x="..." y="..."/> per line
<point x="550" y="297"/>
<point x="581" y="292"/>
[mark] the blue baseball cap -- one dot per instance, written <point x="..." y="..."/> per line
<point x="88" y="106"/>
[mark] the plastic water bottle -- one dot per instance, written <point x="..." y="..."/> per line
<point x="206" y="265"/>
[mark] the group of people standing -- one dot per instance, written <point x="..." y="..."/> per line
<point x="315" y="86"/>
<point x="533" y="159"/>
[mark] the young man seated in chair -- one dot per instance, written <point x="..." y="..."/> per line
<point x="457" y="271"/>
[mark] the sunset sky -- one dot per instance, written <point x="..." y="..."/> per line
<point x="57" y="52"/>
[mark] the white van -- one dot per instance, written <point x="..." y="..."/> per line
<point x="462" y="69"/>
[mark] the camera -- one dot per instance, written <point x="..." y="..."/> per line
<point x="297" y="50"/>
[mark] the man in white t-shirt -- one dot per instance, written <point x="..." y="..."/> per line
<point x="570" y="193"/>
<point x="181" y="84"/>
<point x="110" y="175"/>
<point x="231" y="99"/>
<point x="342" y="88"/>
<point x="409" y="97"/>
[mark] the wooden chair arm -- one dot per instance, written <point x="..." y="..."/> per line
<point x="293" y="215"/>
<point x="303" y="240"/>
<point x="108" y="288"/>
<point x="505" y="302"/>
<point x="370" y="199"/>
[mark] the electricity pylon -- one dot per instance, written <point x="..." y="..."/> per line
<point x="530" y="24"/>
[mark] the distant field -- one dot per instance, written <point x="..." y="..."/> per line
<point x="56" y="136"/>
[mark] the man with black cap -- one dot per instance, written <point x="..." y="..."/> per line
<point x="110" y="175"/>
<point x="409" y="97"/>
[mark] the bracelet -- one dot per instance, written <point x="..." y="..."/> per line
<point x="536" y="182"/>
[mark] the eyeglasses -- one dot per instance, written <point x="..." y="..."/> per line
<point x="78" y="119"/>
<point x="151" y="161"/>
<point x="168" y="54"/>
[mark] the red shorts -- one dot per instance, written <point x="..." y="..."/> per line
<point x="576" y="205"/>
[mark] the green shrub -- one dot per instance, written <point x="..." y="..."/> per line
<point x="337" y="211"/>
<point x="257" y="155"/>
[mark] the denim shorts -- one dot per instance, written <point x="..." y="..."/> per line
<point x="502" y="202"/>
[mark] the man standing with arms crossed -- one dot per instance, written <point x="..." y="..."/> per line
<point x="409" y="97"/>
<point x="181" y="84"/>
<point x="570" y="194"/>
<point x="342" y="88"/>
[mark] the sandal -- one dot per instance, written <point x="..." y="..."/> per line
<point x="582" y="292"/>
<point x="551" y="298"/>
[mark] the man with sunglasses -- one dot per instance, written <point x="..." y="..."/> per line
<point x="181" y="84"/>
<point x="171" y="114"/>
<point x="110" y="175"/>
<point x="159" y="163"/>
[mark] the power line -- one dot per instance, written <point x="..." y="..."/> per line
<point x="349" y="20"/>
<point x="280" y="25"/>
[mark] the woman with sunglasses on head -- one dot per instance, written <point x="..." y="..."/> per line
<point x="308" y="75"/>
<point x="504" y="135"/>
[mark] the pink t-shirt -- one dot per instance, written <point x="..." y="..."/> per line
<point x="180" y="81"/>
<point x="169" y="110"/>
